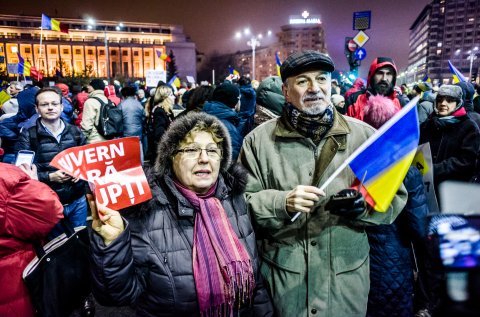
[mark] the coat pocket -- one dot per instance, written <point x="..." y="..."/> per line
<point x="284" y="278"/>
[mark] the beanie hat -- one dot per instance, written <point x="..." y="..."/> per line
<point x="97" y="84"/>
<point x="228" y="94"/>
<point x="336" y="99"/>
<point x="303" y="61"/>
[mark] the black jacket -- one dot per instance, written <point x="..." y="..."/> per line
<point x="454" y="147"/>
<point x="150" y="263"/>
<point x="45" y="146"/>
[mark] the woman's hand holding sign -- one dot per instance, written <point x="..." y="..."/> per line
<point x="106" y="222"/>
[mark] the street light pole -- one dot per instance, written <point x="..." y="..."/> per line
<point x="472" y="56"/>
<point x="107" y="54"/>
<point x="253" y="43"/>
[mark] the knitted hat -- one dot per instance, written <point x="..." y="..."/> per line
<point x="97" y="84"/>
<point x="226" y="93"/>
<point x="336" y="99"/>
<point x="303" y="61"/>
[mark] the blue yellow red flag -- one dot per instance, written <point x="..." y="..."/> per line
<point x="457" y="76"/>
<point x="383" y="160"/>
<point x="52" y="24"/>
<point x="23" y="66"/>
<point x="277" y="60"/>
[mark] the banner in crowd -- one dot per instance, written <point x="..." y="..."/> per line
<point x="113" y="167"/>
<point x="423" y="162"/>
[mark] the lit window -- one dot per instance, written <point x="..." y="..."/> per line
<point x="439" y="52"/>
<point x="471" y="19"/>
<point x="439" y="44"/>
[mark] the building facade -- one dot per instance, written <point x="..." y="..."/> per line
<point x="445" y="30"/>
<point x="130" y="48"/>
<point x="303" y="33"/>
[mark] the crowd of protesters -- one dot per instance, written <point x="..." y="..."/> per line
<point x="238" y="160"/>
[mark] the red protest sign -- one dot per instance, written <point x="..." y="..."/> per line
<point x="113" y="166"/>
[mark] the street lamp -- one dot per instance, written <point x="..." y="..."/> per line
<point x="472" y="54"/>
<point x="253" y="42"/>
<point x="91" y="24"/>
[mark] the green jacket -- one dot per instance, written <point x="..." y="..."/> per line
<point x="317" y="265"/>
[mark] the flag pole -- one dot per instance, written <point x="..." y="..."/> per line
<point x="40" y="49"/>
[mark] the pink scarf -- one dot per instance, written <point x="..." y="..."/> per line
<point x="222" y="268"/>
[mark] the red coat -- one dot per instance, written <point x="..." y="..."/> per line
<point x="28" y="211"/>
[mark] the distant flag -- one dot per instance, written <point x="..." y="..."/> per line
<point x="4" y="97"/>
<point x="277" y="60"/>
<point x="233" y="71"/>
<point x="52" y="24"/>
<point x="385" y="157"/>
<point x="35" y="74"/>
<point x="426" y="79"/>
<point x="175" y="81"/>
<point x="165" y="57"/>
<point x="159" y="53"/>
<point x="457" y="76"/>
<point x="23" y="66"/>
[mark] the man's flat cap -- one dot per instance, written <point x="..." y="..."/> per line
<point x="303" y="61"/>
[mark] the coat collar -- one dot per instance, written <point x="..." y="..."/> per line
<point x="184" y="208"/>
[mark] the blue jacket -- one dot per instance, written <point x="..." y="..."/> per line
<point x="133" y="117"/>
<point x="391" y="259"/>
<point x="248" y="107"/>
<point x="232" y="122"/>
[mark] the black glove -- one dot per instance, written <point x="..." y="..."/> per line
<point x="347" y="203"/>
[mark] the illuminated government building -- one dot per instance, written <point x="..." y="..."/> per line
<point x="303" y="32"/>
<point x="133" y="47"/>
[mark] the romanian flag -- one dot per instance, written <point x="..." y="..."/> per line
<point x="52" y="24"/>
<point x="426" y="79"/>
<point x="233" y="71"/>
<point x="277" y="60"/>
<point x="164" y="57"/>
<point x="457" y="76"/>
<point x="385" y="157"/>
<point x="23" y="66"/>
<point x="174" y="81"/>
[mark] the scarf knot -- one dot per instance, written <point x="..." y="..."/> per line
<point x="314" y="127"/>
<point x="222" y="267"/>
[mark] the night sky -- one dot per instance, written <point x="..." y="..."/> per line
<point x="212" y="24"/>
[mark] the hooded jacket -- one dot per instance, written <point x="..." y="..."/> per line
<point x="356" y="109"/>
<point x="91" y="109"/>
<point x="28" y="211"/>
<point x="231" y="119"/>
<point x="150" y="263"/>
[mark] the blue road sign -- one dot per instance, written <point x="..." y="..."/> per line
<point x="360" y="53"/>
<point x="361" y="20"/>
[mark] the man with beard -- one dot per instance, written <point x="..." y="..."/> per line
<point x="318" y="264"/>
<point x="381" y="80"/>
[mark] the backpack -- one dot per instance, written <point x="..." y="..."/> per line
<point x="110" y="120"/>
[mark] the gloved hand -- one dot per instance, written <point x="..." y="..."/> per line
<point x="347" y="203"/>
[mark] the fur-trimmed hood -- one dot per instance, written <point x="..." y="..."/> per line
<point x="177" y="132"/>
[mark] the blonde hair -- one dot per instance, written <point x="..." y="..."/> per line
<point x="161" y="98"/>
<point x="213" y="129"/>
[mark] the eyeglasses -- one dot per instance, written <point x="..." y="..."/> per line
<point x="46" y="104"/>
<point x="194" y="152"/>
<point x="449" y="99"/>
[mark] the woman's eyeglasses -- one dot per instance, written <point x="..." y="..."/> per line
<point x="194" y="152"/>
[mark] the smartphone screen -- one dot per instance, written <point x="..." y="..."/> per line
<point x="25" y="157"/>
<point x="458" y="239"/>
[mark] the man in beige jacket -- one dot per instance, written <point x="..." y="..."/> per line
<point x="91" y="110"/>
